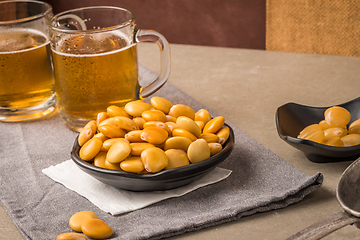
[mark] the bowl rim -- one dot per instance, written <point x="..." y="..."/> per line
<point x="309" y="142"/>
<point x="227" y="148"/>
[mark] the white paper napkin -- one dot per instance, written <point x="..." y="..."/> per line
<point x="116" y="201"/>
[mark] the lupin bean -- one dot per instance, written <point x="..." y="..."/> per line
<point x="316" y="136"/>
<point x="111" y="131"/>
<point x="161" y="104"/>
<point x="182" y="143"/>
<point x="112" y="166"/>
<point x="136" y="108"/>
<point x="214" y="125"/>
<point x="153" y="115"/>
<point x="355" y="127"/>
<point x="154" y="159"/>
<point x="118" y="151"/>
<point x="170" y="119"/>
<point x="110" y="121"/>
<point x="201" y="124"/>
<point x="132" y="164"/>
<point x="312" y="132"/>
<point x="171" y="125"/>
<point x="179" y="132"/>
<point x="139" y="121"/>
<point x="337" y="116"/>
<point x="134" y="136"/>
<point x="97" y="229"/>
<point x="90" y="149"/>
<point x="101" y="117"/>
<point x="78" y="219"/>
<point x="333" y="141"/>
<point x="176" y="158"/>
<point x="125" y="123"/>
<point x="308" y="130"/>
<point x="203" y="115"/>
<point x="210" y="137"/>
<point x="138" y="148"/>
<point x="71" y="236"/>
<point x="99" y="160"/>
<point x="154" y="135"/>
<point x="214" y="148"/>
<point x="87" y="132"/>
<point x="101" y="136"/>
<point x="189" y="125"/>
<point x="334" y="132"/>
<point x="109" y="142"/>
<point x="324" y="125"/>
<point x="114" y="111"/>
<point x="157" y="124"/>
<point x="182" y="110"/>
<point x="351" y="140"/>
<point x="223" y="135"/>
<point x="198" y="151"/>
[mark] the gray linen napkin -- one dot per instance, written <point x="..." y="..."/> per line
<point x="40" y="207"/>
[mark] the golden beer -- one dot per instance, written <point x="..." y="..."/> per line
<point x="95" y="61"/>
<point x="26" y="76"/>
<point x="94" y="72"/>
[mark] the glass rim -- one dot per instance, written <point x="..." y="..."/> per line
<point x="47" y="11"/>
<point x="104" y="29"/>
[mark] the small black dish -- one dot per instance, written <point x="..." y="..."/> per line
<point x="291" y="118"/>
<point x="163" y="180"/>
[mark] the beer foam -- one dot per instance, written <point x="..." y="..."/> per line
<point x="6" y="43"/>
<point x="97" y="37"/>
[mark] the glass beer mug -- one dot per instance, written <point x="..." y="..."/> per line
<point x="95" y="62"/>
<point x="26" y="76"/>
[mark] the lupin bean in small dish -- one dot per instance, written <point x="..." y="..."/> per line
<point x="136" y="140"/>
<point x="333" y="129"/>
<point x="323" y="134"/>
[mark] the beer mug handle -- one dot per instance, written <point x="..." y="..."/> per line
<point x="153" y="36"/>
<point x="78" y="23"/>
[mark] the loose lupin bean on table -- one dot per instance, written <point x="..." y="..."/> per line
<point x="150" y="137"/>
<point x="86" y="222"/>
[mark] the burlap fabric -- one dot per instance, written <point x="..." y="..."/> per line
<point x="320" y="27"/>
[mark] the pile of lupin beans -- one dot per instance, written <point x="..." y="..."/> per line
<point x="333" y="129"/>
<point x="146" y="137"/>
<point x="88" y="223"/>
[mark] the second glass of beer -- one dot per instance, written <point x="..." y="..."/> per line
<point x="95" y="61"/>
<point x="26" y="76"/>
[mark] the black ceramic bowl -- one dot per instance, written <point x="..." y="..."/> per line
<point x="164" y="180"/>
<point x="291" y="118"/>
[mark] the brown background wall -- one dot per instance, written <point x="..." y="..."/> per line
<point x="305" y="26"/>
<point x="229" y="23"/>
